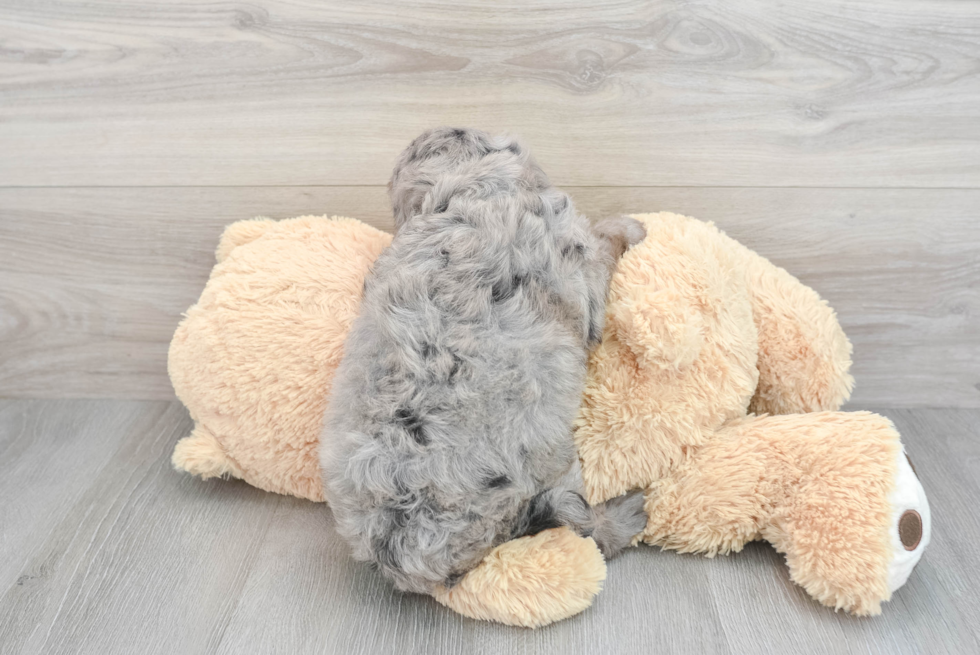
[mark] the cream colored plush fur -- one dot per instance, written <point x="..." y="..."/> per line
<point x="703" y="339"/>
<point x="253" y="359"/>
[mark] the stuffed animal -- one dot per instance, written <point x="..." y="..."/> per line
<point x="714" y="389"/>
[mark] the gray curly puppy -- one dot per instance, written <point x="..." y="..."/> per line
<point x="449" y="429"/>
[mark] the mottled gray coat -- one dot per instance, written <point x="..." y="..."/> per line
<point x="449" y="429"/>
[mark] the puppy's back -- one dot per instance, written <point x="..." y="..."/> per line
<point x="462" y="374"/>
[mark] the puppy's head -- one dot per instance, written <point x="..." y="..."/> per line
<point x="444" y="151"/>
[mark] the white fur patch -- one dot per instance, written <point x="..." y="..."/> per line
<point x="908" y="494"/>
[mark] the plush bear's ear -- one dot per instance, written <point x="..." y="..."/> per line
<point x="660" y="327"/>
<point x="240" y="233"/>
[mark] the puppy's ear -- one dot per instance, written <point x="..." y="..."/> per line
<point x="622" y="232"/>
<point x="407" y="189"/>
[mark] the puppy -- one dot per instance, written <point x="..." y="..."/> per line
<point x="449" y="428"/>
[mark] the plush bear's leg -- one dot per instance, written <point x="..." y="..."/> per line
<point x="804" y="356"/>
<point x="823" y="488"/>
<point x="910" y="528"/>
<point x="200" y="453"/>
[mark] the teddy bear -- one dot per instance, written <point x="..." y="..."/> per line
<point x="715" y="388"/>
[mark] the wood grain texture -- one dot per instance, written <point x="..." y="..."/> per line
<point x="840" y="139"/>
<point x="93" y="281"/>
<point x="105" y="549"/>
<point x="607" y="92"/>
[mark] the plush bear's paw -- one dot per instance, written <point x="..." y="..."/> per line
<point x="622" y="232"/>
<point x="531" y="581"/>
<point x="618" y="520"/>
<point x="911" y="523"/>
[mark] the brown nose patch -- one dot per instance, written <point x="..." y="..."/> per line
<point x="910" y="529"/>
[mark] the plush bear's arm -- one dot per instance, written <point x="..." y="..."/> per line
<point x="804" y="356"/>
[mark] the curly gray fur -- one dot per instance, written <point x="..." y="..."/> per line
<point x="449" y="429"/>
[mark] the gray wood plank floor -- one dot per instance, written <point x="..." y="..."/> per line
<point x="105" y="549"/>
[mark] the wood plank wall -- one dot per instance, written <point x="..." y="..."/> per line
<point x="841" y="139"/>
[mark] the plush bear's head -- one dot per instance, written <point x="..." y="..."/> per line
<point x="678" y="356"/>
<point x="254" y="358"/>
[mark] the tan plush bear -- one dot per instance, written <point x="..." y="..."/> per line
<point x="713" y="389"/>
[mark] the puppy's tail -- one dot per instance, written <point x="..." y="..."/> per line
<point x="612" y="524"/>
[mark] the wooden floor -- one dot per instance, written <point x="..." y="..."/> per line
<point x="106" y="549"/>
<point x="839" y="138"/>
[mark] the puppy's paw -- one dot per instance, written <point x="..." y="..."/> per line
<point x="628" y="512"/>
<point x="618" y="520"/>
<point x="622" y="232"/>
